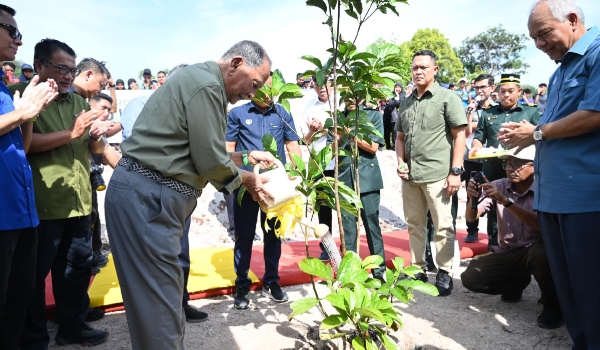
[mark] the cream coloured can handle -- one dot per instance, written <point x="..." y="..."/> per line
<point x="276" y="161"/>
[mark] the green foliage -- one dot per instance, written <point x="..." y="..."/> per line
<point x="360" y="301"/>
<point x="494" y="51"/>
<point x="278" y="91"/>
<point x="451" y="68"/>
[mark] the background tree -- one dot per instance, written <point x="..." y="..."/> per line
<point x="451" y="68"/>
<point x="494" y="51"/>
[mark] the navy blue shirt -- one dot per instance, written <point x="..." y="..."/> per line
<point x="17" y="200"/>
<point x="246" y="126"/>
<point x="567" y="170"/>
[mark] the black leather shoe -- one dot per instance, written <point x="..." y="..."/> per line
<point x="88" y="337"/>
<point x="241" y="300"/>
<point x="194" y="315"/>
<point x="472" y="237"/>
<point x="443" y="283"/>
<point x="550" y="318"/>
<point x="512" y="297"/>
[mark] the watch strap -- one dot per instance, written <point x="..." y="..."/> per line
<point x="245" y="157"/>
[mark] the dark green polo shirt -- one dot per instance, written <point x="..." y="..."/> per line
<point x="489" y="126"/>
<point x="426" y="124"/>
<point x="181" y="130"/>
<point x="61" y="176"/>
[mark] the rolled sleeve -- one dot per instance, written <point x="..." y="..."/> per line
<point x="591" y="97"/>
<point x="207" y="148"/>
<point x="455" y="114"/>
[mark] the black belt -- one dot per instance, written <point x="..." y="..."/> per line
<point x="180" y="187"/>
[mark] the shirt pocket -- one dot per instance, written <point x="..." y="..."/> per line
<point x="575" y="86"/>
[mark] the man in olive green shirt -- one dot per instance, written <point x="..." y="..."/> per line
<point x="488" y="128"/>
<point x="176" y="147"/>
<point x="430" y="147"/>
<point x="63" y="137"/>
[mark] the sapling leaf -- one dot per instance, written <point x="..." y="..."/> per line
<point x="318" y="3"/>
<point x="371" y="260"/>
<point x="301" y="306"/>
<point x="315" y="267"/>
<point x="333" y="321"/>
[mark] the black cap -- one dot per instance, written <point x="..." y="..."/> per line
<point x="452" y="84"/>
<point x="510" y="79"/>
<point x="147" y="71"/>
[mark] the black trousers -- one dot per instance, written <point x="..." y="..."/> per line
<point x="96" y="224"/>
<point x="65" y="247"/>
<point x="572" y="242"/>
<point x="389" y="134"/>
<point x="17" y="280"/>
<point x="510" y="273"/>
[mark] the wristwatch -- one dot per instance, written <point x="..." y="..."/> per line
<point x="510" y="202"/>
<point x="456" y="171"/>
<point x="538" y="135"/>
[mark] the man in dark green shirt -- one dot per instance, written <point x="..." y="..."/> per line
<point x="430" y="147"/>
<point x="488" y="127"/>
<point x="176" y="147"/>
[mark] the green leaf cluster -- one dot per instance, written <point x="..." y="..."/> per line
<point x="363" y="302"/>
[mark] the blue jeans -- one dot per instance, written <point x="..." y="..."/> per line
<point x="65" y="247"/>
<point x="245" y="225"/>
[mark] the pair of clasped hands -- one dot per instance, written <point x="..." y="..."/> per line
<point x="37" y="96"/>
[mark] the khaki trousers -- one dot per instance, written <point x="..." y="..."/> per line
<point x="417" y="199"/>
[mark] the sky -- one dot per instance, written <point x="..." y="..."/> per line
<point x="157" y="34"/>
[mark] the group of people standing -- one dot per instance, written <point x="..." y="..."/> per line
<point x="543" y="194"/>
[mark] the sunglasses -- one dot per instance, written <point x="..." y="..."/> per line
<point x="13" y="31"/>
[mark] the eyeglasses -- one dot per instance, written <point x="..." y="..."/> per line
<point x="480" y="87"/>
<point x="63" y="70"/>
<point x="13" y="31"/>
<point x="516" y="165"/>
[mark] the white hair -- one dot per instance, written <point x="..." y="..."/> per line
<point x="561" y="9"/>
<point x="253" y="54"/>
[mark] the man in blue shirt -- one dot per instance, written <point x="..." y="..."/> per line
<point x="246" y="126"/>
<point x="567" y="170"/>
<point x="18" y="215"/>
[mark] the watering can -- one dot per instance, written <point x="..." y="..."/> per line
<point x="282" y="187"/>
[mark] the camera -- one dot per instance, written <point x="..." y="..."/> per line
<point x="96" y="178"/>
<point x="477" y="176"/>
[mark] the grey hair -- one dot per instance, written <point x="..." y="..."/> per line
<point x="176" y="69"/>
<point x="253" y="54"/>
<point x="561" y="9"/>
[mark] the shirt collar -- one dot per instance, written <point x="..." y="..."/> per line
<point x="519" y="107"/>
<point x="432" y="90"/>
<point x="252" y="105"/>
<point x="582" y="44"/>
<point x="512" y="189"/>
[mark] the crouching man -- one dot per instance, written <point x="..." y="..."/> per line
<point x="520" y="252"/>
